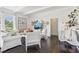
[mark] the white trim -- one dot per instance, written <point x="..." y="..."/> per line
<point x="36" y="10"/>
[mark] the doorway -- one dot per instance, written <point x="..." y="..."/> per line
<point x="54" y="26"/>
<point x="54" y="35"/>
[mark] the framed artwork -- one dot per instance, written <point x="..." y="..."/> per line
<point x="8" y="23"/>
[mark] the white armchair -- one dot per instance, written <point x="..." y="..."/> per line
<point x="33" y="38"/>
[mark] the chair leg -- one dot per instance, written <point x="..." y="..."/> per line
<point x="39" y="45"/>
<point x="26" y="48"/>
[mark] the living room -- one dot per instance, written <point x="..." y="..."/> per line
<point x="32" y="29"/>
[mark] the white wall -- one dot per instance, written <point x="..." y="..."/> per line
<point x="60" y="13"/>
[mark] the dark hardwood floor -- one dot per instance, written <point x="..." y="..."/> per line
<point x="47" y="46"/>
<point x="54" y="44"/>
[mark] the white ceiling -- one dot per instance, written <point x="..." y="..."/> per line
<point x="30" y="9"/>
<point x="14" y="8"/>
<point x="25" y="9"/>
<point x="22" y="9"/>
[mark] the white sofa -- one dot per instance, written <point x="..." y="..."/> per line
<point x="8" y="41"/>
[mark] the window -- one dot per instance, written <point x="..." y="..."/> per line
<point x="8" y="23"/>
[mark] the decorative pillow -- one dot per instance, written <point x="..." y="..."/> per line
<point x="4" y="34"/>
<point x="12" y="33"/>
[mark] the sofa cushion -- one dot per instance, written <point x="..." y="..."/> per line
<point x="7" y="38"/>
